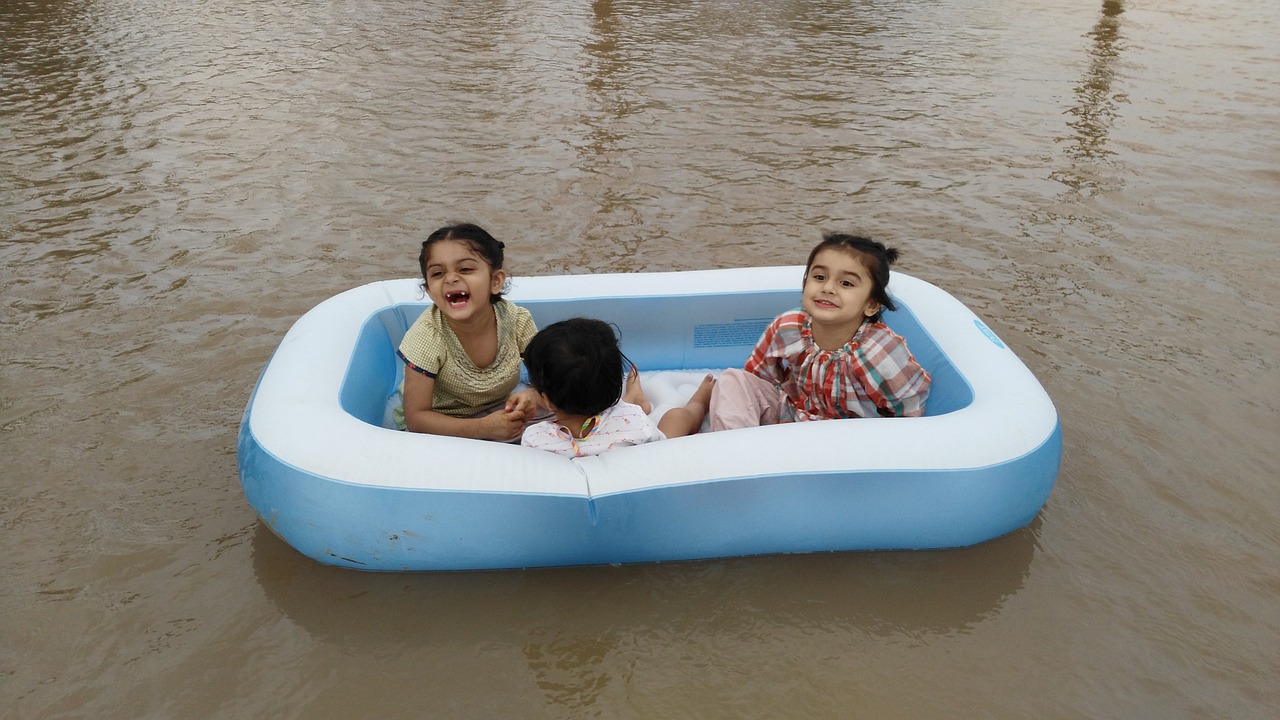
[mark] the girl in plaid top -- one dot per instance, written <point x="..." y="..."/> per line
<point x="834" y="357"/>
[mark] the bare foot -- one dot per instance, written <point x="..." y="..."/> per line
<point x="634" y="393"/>
<point x="701" y="397"/>
<point x="687" y="420"/>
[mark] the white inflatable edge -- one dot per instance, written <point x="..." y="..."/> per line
<point x="296" y="415"/>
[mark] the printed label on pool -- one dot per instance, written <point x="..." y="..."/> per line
<point x="745" y="331"/>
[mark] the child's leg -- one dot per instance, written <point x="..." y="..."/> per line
<point x="687" y="420"/>
<point x="634" y="393"/>
<point x="742" y="399"/>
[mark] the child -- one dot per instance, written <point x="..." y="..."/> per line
<point x="462" y="355"/>
<point x="576" y="367"/>
<point x="833" y="358"/>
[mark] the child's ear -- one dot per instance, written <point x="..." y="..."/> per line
<point x="873" y="307"/>
<point x="497" y="281"/>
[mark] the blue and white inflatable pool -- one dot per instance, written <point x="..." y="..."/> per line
<point x="323" y="470"/>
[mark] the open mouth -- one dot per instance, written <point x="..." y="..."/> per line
<point x="457" y="298"/>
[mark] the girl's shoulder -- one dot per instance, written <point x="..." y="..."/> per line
<point x="792" y="321"/>
<point x="878" y="331"/>
<point x="506" y="309"/>
<point x="627" y="423"/>
<point x="431" y="320"/>
<point x="787" y="334"/>
<point x="793" y="316"/>
<point x="622" y="408"/>
<point x="879" y="337"/>
<point x="515" y="322"/>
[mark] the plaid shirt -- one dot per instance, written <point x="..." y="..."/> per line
<point x="873" y="374"/>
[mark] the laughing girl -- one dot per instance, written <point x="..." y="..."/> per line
<point x="462" y="355"/>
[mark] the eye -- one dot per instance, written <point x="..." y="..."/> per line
<point x="847" y="283"/>
<point x="818" y="276"/>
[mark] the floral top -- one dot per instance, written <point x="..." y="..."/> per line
<point x="619" y="425"/>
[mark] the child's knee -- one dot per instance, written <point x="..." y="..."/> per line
<point x="735" y="402"/>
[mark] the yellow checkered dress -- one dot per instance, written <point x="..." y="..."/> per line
<point x="462" y="389"/>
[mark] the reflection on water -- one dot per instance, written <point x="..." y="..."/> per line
<point x="579" y="629"/>
<point x="880" y="593"/>
<point x="1097" y="106"/>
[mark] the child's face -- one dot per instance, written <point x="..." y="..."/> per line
<point x="838" y="289"/>
<point x="460" y="281"/>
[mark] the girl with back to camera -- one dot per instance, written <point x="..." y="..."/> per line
<point x="462" y="355"/>
<point x="576" y="367"/>
<point x="832" y="358"/>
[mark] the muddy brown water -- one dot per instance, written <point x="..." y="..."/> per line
<point x="181" y="181"/>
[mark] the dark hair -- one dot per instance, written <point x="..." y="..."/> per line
<point x="477" y="237"/>
<point x="877" y="257"/>
<point x="577" y="364"/>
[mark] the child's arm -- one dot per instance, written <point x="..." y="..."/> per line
<point x="893" y="379"/>
<point x="527" y="401"/>
<point x="766" y="359"/>
<point x="419" y="389"/>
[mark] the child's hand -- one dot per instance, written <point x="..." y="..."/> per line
<point x="504" y="425"/>
<point x="525" y="401"/>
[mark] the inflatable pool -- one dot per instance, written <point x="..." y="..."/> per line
<point x="322" y="467"/>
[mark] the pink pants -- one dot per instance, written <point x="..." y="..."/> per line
<point x="740" y="399"/>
